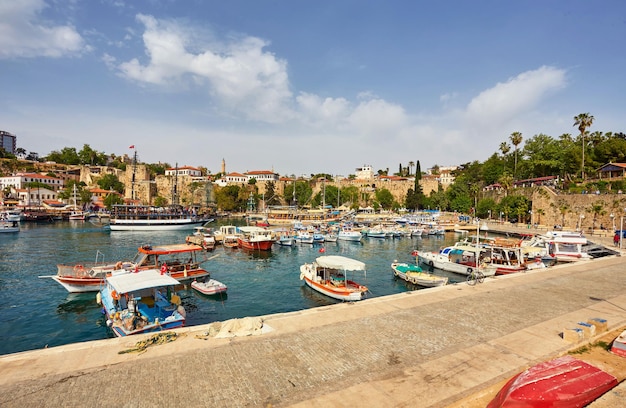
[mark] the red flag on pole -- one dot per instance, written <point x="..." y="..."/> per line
<point x="131" y="147"/>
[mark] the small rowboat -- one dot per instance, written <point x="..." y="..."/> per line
<point x="209" y="287"/>
<point x="414" y="274"/>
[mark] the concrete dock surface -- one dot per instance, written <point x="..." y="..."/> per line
<point x="439" y="347"/>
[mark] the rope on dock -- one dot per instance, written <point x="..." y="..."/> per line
<point x="157" y="339"/>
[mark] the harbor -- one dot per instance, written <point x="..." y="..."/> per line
<point x="440" y="347"/>
<point x="446" y="346"/>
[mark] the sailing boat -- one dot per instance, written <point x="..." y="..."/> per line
<point x="76" y="214"/>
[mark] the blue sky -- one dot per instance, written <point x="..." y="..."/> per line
<point x="306" y="87"/>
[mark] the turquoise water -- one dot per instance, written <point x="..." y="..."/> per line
<point x="37" y="312"/>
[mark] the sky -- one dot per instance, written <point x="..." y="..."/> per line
<point x="303" y="87"/>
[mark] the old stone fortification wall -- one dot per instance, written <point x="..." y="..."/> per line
<point x="552" y="209"/>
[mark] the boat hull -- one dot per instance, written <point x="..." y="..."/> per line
<point x="255" y="245"/>
<point x="336" y="293"/>
<point x="156" y="225"/>
<point x="562" y="382"/>
<point x="211" y="287"/>
<point x="79" y="285"/>
<point x="414" y="274"/>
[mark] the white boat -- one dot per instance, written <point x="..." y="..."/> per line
<point x="562" y="246"/>
<point x="349" y="235"/>
<point x="9" y="226"/>
<point x="256" y="238"/>
<point x="12" y="214"/>
<point x="330" y="237"/>
<point x="414" y="274"/>
<point x="329" y="275"/>
<point x="75" y="213"/>
<point x="461" y="258"/>
<point x="141" y="303"/>
<point x="285" y="240"/>
<point x="150" y="218"/>
<point x="209" y="287"/>
<point x="377" y="232"/>
<point x="202" y="236"/>
<point x="417" y="232"/>
<point x="226" y="231"/>
<point x="303" y="237"/>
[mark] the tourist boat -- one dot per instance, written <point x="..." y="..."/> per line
<point x="562" y="382"/>
<point x="349" y="235"/>
<point x="177" y="260"/>
<point x="141" y="302"/>
<point x="414" y="274"/>
<point x="9" y="226"/>
<point x="209" y="287"/>
<point x="12" y="214"/>
<point x="329" y="276"/>
<point x="151" y="218"/>
<point x="202" y="236"/>
<point x="255" y="238"/>
<point x="619" y="345"/>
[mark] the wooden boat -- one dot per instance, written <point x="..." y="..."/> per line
<point x="209" y="287"/>
<point x="619" y="345"/>
<point x="414" y="274"/>
<point x="328" y="275"/>
<point x="255" y="238"/>
<point x="562" y="382"/>
<point x="179" y="261"/>
<point x="141" y="302"/>
<point x="202" y="236"/>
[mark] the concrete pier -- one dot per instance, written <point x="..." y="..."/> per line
<point x="439" y="347"/>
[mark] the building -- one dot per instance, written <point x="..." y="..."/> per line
<point x="232" y="178"/>
<point x="35" y="196"/>
<point x="19" y="180"/>
<point x="364" y="173"/>
<point x="262" y="175"/>
<point x="8" y="141"/>
<point x="184" y="171"/>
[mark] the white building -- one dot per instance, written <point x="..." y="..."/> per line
<point x="184" y="171"/>
<point x="364" y="173"/>
<point x="35" y="196"/>
<point x="19" y="180"/>
<point x="232" y="178"/>
<point x="262" y="175"/>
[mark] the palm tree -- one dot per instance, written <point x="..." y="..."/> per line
<point x="411" y="164"/>
<point x="506" y="182"/>
<point x="516" y="139"/>
<point x="505" y="148"/>
<point x="539" y="213"/>
<point x="583" y="121"/>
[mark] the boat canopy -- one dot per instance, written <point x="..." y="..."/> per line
<point x="340" y="262"/>
<point x="169" y="249"/>
<point x="131" y="282"/>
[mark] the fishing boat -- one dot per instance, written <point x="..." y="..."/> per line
<point x="224" y="231"/>
<point x="209" y="287"/>
<point x="304" y="237"/>
<point x="256" y="238"/>
<point x="461" y="258"/>
<point x="562" y="382"/>
<point x="202" y="236"/>
<point x="347" y="234"/>
<point x="285" y="239"/>
<point x="329" y="276"/>
<point x="179" y="261"/>
<point x="150" y="218"/>
<point x="141" y="302"/>
<point x="9" y="226"/>
<point x="414" y="274"/>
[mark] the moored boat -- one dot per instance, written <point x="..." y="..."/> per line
<point x="177" y="260"/>
<point x="9" y="226"/>
<point x="141" y="302"/>
<point x="328" y="275"/>
<point x="562" y="382"/>
<point x="151" y="218"/>
<point x="414" y="274"/>
<point x="349" y="235"/>
<point x="209" y="287"/>
<point x="202" y="236"/>
<point x="256" y="238"/>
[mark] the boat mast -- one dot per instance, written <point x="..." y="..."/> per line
<point x="174" y="187"/>
<point x="132" y="189"/>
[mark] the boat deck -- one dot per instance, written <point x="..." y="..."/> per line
<point x="451" y="346"/>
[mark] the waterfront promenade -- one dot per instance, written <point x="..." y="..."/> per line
<point x="448" y="346"/>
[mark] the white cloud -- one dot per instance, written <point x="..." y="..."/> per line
<point x="518" y="95"/>
<point x="240" y="74"/>
<point x="24" y="35"/>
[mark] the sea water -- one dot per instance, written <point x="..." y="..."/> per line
<point x="37" y="312"/>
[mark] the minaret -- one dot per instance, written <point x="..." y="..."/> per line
<point x="223" y="166"/>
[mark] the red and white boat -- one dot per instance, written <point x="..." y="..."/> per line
<point x="256" y="238"/>
<point x="180" y="261"/>
<point x="328" y="275"/>
<point x="209" y="287"/>
<point x="562" y="382"/>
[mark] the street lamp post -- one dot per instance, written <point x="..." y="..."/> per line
<point x="612" y="221"/>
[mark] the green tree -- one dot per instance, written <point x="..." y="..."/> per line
<point x="111" y="182"/>
<point x="505" y="148"/>
<point x="384" y="198"/>
<point x="516" y="139"/>
<point x="160" y="201"/>
<point x="112" y="199"/>
<point x="583" y="121"/>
